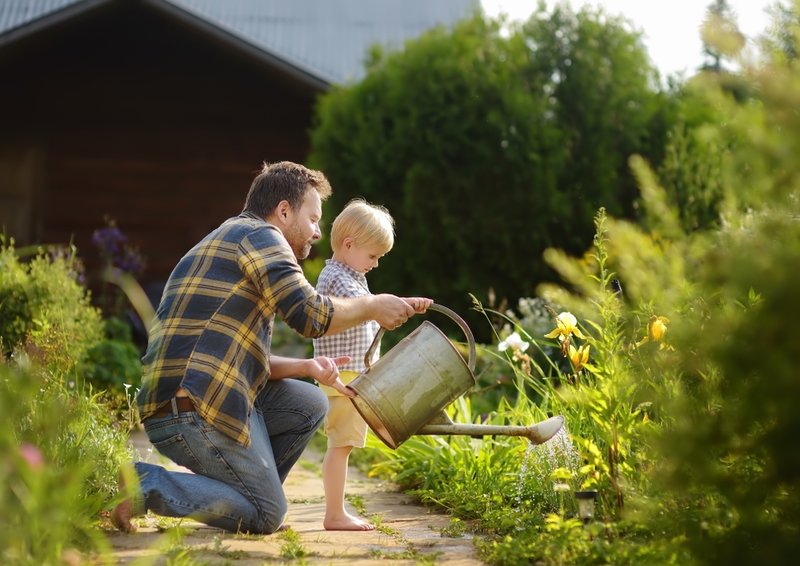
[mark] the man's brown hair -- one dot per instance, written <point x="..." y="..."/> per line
<point x="283" y="181"/>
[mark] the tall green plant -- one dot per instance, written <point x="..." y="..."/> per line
<point x="58" y="454"/>
<point x="731" y="439"/>
<point x="726" y="479"/>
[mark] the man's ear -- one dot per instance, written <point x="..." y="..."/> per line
<point x="283" y="210"/>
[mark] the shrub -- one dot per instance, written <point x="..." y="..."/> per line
<point x="491" y="147"/>
<point x="46" y="309"/>
<point x="115" y="361"/>
<point x="684" y="413"/>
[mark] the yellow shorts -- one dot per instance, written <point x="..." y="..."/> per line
<point x="344" y="425"/>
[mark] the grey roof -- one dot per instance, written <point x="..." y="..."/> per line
<point x="322" y="41"/>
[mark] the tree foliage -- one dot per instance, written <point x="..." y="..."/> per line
<point x="720" y="22"/>
<point x="488" y="147"/>
<point x="782" y="35"/>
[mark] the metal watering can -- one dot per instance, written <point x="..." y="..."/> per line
<point x="405" y="391"/>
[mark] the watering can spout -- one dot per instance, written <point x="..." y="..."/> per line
<point x="538" y="433"/>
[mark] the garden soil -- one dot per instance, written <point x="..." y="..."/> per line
<point x="408" y="533"/>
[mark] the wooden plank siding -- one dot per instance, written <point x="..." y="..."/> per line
<point x="136" y="116"/>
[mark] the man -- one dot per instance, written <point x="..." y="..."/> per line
<point x="213" y="399"/>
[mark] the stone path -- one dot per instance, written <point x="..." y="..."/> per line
<point x="407" y="532"/>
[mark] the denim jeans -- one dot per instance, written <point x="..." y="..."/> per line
<point x="233" y="487"/>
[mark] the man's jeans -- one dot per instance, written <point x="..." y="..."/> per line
<point x="232" y="487"/>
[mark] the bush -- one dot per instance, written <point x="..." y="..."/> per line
<point x="115" y="362"/>
<point x="45" y="309"/>
<point x="491" y="147"/>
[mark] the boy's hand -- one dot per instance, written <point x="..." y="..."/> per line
<point x="419" y="304"/>
<point x="343" y="389"/>
<point x="326" y="371"/>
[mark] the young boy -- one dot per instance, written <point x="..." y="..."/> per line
<point x="361" y="234"/>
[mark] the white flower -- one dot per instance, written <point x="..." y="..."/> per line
<point x="514" y="342"/>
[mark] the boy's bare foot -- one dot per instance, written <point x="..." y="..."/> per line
<point x="347" y="522"/>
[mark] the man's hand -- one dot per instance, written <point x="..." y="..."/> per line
<point x="326" y="371"/>
<point x="392" y="311"/>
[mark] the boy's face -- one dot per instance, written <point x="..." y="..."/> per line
<point x="361" y="258"/>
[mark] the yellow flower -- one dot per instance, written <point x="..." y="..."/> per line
<point x="566" y="325"/>
<point x="657" y="328"/>
<point x="579" y="357"/>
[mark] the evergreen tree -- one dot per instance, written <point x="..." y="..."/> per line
<point x="721" y="36"/>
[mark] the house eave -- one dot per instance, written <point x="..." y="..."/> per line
<point x="293" y="72"/>
<point x="305" y="79"/>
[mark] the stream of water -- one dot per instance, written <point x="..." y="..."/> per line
<point x="542" y="459"/>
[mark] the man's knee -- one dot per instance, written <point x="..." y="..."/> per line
<point x="314" y="400"/>
<point x="318" y="402"/>
<point x="272" y="521"/>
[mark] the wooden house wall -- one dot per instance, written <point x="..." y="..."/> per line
<point x="127" y="113"/>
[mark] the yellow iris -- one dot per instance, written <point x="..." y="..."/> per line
<point x="579" y="357"/>
<point x="656" y="330"/>
<point x="566" y="326"/>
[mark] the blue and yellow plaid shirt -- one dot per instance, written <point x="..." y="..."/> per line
<point x="213" y="327"/>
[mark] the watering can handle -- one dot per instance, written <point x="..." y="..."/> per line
<point x="444" y="310"/>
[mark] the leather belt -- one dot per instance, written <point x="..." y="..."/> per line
<point x="184" y="404"/>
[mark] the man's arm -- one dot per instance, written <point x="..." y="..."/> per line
<point x="389" y="311"/>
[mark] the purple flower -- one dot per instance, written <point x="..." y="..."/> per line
<point x="109" y="240"/>
<point x="113" y="246"/>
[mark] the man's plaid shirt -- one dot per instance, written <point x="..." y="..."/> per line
<point x="339" y="280"/>
<point x="213" y="327"/>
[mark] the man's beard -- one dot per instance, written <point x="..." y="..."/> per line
<point x="303" y="252"/>
<point x="300" y="247"/>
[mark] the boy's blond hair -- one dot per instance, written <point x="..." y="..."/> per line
<point x="368" y="224"/>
